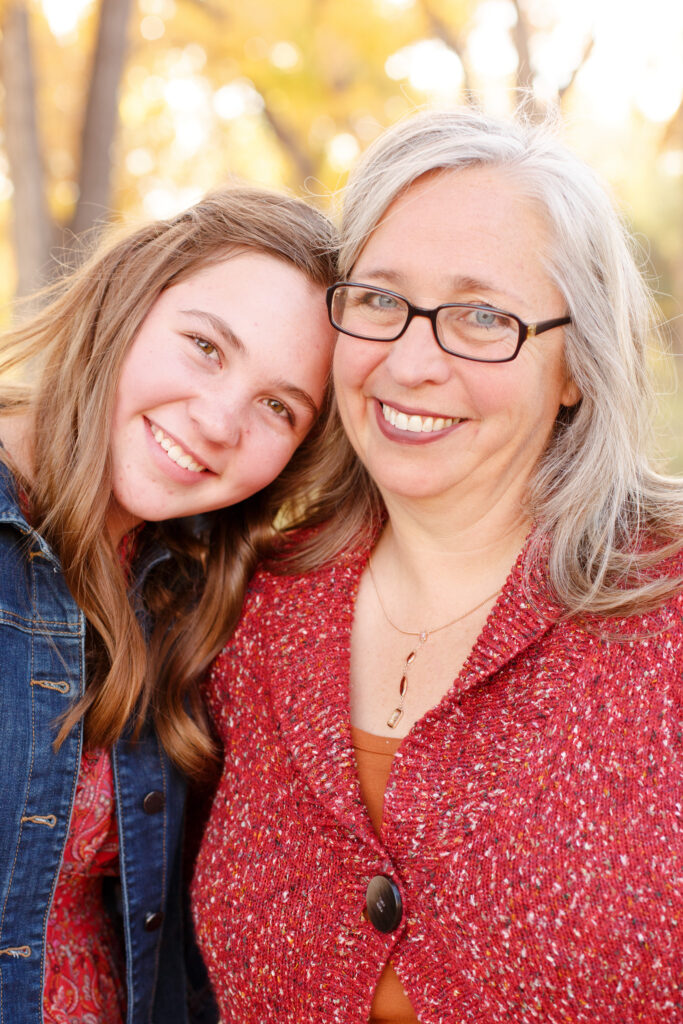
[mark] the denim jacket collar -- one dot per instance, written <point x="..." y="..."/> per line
<point x="10" y="512"/>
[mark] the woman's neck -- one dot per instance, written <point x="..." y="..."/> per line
<point x="435" y="561"/>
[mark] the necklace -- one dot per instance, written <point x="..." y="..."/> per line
<point x="423" y="636"/>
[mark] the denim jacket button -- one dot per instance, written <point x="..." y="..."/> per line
<point x="154" y="802"/>
<point x="153" y="920"/>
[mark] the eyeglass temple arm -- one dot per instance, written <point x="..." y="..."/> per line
<point x="546" y="325"/>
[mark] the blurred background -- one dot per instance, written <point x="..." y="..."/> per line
<point x="131" y="109"/>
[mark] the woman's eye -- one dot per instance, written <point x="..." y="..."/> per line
<point x="485" y="317"/>
<point x="382" y="301"/>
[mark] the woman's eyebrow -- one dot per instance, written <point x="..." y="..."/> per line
<point x="478" y="284"/>
<point x="220" y="326"/>
<point x="459" y="282"/>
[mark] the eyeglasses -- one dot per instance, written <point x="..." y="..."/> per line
<point x="466" y="330"/>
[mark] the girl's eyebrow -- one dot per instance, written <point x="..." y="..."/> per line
<point x="220" y="326"/>
<point x="295" y="393"/>
<point x="237" y="345"/>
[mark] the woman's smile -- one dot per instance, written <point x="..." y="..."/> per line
<point x="417" y="427"/>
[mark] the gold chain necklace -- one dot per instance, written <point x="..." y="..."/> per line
<point x="423" y="636"/>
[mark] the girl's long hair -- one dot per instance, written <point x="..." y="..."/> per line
<point x="61" y="368"/>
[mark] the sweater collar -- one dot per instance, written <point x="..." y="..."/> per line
<point x="523" y="612"/>
<point x="313" y="708"/>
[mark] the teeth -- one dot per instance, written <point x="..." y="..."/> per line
<point x="416" y="424"/>
<point x="174" y="451"/>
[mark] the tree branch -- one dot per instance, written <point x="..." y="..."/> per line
<point x="587" y="50"/>
<point x="305" y="166"/>
<point x="525" y="75"/>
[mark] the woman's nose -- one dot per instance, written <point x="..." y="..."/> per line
<point x="415" y="358"/>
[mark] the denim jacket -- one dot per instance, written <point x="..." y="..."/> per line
<point x="42" y="636"/>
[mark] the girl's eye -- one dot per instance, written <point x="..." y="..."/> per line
<point x="279" y="408"/>
<point x="206" y="347"/>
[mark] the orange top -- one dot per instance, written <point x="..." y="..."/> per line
<point x="374" y="757"/>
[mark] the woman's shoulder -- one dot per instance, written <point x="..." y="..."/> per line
<point x="9" y="501"/>
<point x="654" y="633"/>
<point x="284" y="578"/>
<point x="285" y="595"/>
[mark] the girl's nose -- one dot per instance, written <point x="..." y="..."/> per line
<point x="219" y="420"/>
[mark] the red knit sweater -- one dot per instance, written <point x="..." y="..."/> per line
<point x="532" y="822"/>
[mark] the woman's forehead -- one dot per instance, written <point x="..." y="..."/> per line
<point x="471" y="229"/>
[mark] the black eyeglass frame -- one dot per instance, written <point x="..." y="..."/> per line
<point x="525" y="330"/>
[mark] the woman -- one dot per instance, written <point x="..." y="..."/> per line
<point x="452" y="765"/>
<point x="173" y="375"/>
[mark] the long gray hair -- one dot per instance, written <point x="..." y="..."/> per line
<point x="609" y="517"/>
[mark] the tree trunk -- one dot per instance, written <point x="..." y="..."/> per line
<point x="101" y="116"/>
<point x="32" y="225"/>
<point x="286" y="136"/>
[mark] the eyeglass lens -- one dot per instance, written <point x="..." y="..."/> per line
<point x="479" y="333"/>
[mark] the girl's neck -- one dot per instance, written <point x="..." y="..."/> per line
<point x="17" y="437"/>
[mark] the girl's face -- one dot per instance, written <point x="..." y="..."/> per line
<point x="220" y="385"/>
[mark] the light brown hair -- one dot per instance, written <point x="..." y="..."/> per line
<point x="62" y="367"/>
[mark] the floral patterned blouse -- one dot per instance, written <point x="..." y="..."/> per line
<point x="84" y="969"/>
<point x="84" y="961"/>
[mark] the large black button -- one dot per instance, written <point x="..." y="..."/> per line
<point x="153" y="920"/>
<point x="384" y="904"/>
<point x="154" y="802"/>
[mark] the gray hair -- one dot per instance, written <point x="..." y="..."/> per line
<point x="609" y="517"/>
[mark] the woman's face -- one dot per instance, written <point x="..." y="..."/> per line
<point x="221" y="383"/>
<point x="425" y="423"/>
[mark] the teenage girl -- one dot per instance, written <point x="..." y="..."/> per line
<point x="175" y="374"/>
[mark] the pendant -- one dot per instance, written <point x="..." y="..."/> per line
<point x="395" y="717"/>
<point x="397" y="714"/>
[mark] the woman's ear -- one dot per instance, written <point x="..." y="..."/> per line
<point x="570" y="393"/>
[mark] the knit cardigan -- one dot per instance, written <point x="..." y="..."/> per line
<point x="532" y="820"/>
